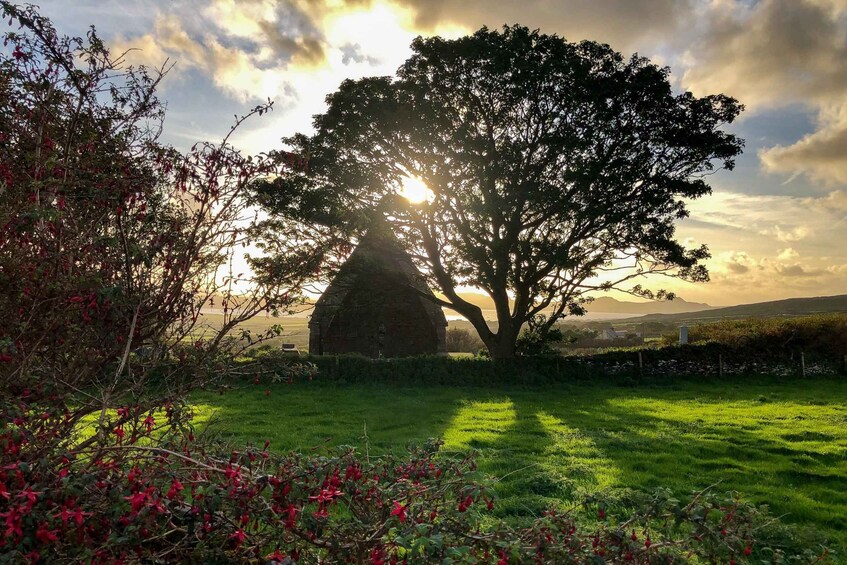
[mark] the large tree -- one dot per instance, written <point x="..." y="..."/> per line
<point x="556" y="169"/>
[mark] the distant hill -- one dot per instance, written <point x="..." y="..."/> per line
<point x="607" y="304"/>
<point x="787" y="307"/>
<point x="677" y="310"/>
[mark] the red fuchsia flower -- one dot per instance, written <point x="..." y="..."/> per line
<point x="326" y="495"/>
<point x="647" y="542"/>
<point x="400" y="512"/>
<point x="291" y="518"/>
<point x="119" y="431"/>
<point x="149" y="422"/>
<point x="133" y="474"/>
<point x="277" y="555"/>
<point x="30" y="496"/>
<point x="13" y="522"/>
<point x="748" y="550"/>
<point x="139" y="499"/>
<point x="353" y="472"/>
<point x="45" y="535"/>
<point x="239" y="536"/>
<point x="377" y="557"/>
<point x="232" y="473"/>
<point x="67" y="513"/>
<point x="176" y="488"/>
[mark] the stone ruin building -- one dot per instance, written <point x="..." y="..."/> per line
<point x="377" y="306"/>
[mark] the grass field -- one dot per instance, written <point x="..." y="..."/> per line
<point x="294" y="329"/>
<point x="783" y="444"/>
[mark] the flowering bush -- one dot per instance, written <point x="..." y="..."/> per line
<point x="111" y="242"/>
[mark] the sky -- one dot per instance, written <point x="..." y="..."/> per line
<point x="776" y="225"/>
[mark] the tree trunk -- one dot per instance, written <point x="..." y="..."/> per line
<point x="502" y="344"/>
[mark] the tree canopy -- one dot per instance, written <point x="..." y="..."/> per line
<point x="556" y="169"/>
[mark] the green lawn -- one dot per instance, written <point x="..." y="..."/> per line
<point x="784" y="444"/>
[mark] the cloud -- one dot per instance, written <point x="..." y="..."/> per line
<point x="774" y="54"/>
<point x="836" y="201"/>
<point x="787" y="254"/>
<point x="283" y="28"/>
<point x="743" y="230"/>
<point x="796" y="270"/>
<point x="352" y="53"/>
<point x="738" y="263"/>
<point x="248" y="49"/>
<point x="822" y="155"/>
<point x="769" y="52"/>
<point x="771" y="216"/>
<point x="787" y="235"/>
<point x="167" y="40"/>
<point x="304" y="50"/>
<point x="611" y="21"/>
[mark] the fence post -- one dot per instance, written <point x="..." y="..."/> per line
<point x="803" y="364"/>
<point x="720" y="365"/>
<point x="683" y="335"/>
<point x="640" y="365"/>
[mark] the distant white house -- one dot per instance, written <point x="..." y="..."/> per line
<point x="610" y="334"/>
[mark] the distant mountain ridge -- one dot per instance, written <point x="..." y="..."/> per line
<point x="785" y="307"/>
<point x="607" y="304"/>
<point x="680" y="310"/>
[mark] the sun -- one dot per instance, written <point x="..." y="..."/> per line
<point x="414" y="190"/>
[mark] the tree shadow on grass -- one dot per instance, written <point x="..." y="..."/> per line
<point x="660" y="447"/>
<point x="376" y="419"/>
<point x="537" y="462"/>
<point x="549" y="447"/>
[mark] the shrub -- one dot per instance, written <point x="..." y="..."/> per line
<point x="110" y="242"/>
<point x="462" y="341"/>
<point x="539" y="337"/>
<point x="821" y="335"/>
